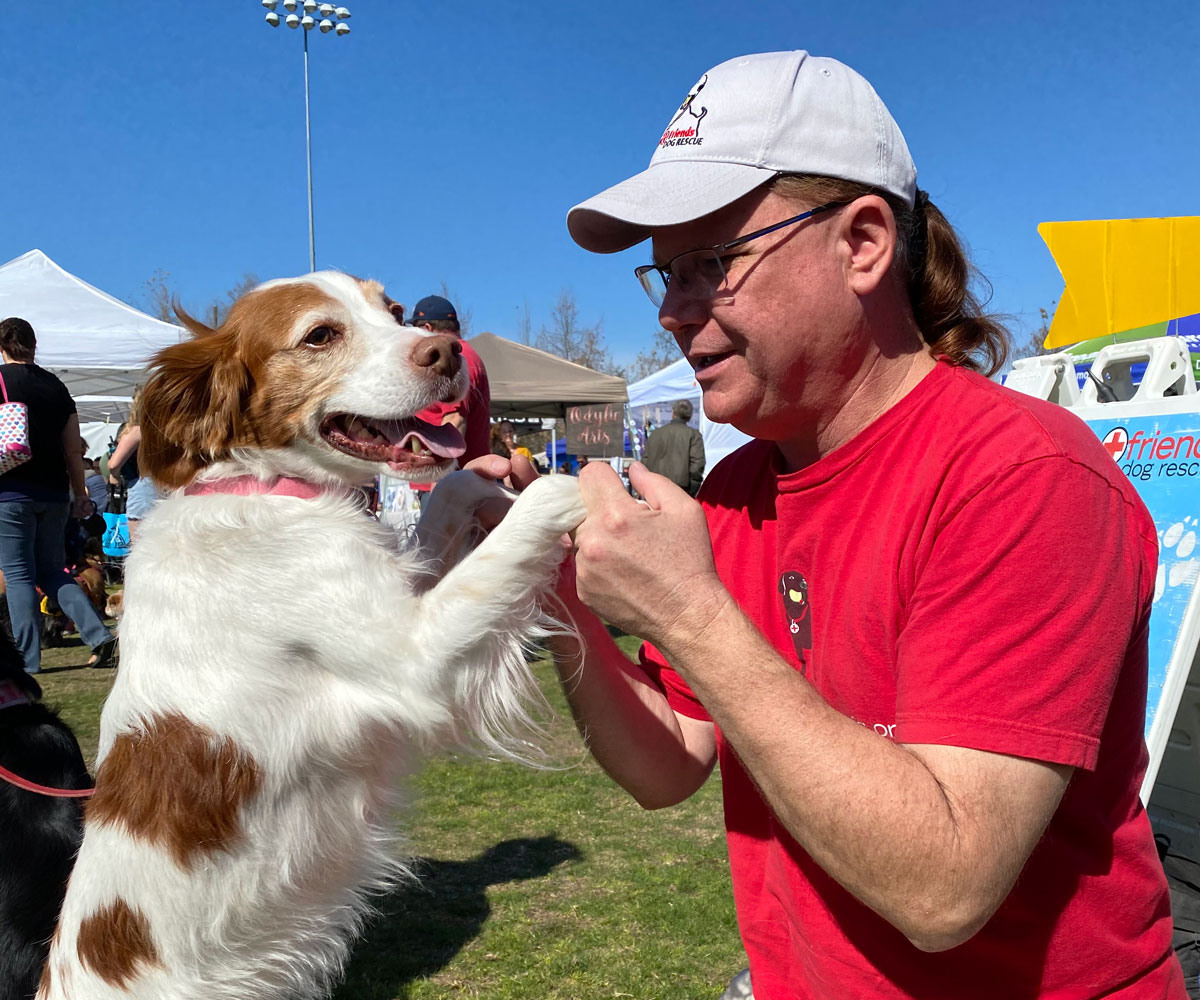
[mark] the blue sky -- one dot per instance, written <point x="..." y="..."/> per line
<point x="450" y="138"/>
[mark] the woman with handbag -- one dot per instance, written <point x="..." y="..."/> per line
<point x="35" y="498"/>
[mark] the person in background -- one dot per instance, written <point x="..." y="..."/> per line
<point x="676" y="450"/>
<point x="508" y="435"/>
<point x="929" y="723"/>
<point x="141" y="495"/>
<point x="97" y="488"/>
<point x="471" y="414"/>
<point x="496" y="443"/>
<point x="35" y="502"/>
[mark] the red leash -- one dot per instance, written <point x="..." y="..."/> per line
<point x="33" y="786"/>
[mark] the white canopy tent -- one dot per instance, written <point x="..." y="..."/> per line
<point x="96" y="344"/>
<point x="652" y="397"/>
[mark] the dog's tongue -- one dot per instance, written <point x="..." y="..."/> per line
<point x="443" y="440"/>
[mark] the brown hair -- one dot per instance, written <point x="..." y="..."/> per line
<point x="135" y="408"/>
<point x="17" y="339"/>
<point x="939" y="272"/>
<point x="439" y="325"/>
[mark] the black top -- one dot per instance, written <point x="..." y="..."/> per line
<point x="44" y="476"/>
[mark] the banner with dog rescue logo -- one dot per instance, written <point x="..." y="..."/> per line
<point x="1157" y="445"/>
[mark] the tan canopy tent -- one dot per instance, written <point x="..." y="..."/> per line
<point x="526" y="382"/>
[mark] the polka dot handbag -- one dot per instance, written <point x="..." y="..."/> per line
<point x="14" y="433"/>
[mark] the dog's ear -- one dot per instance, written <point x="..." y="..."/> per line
<point x="192" y="404"/>
<point x="395" y="308"/>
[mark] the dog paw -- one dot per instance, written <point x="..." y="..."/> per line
<point x="553" y="502"/>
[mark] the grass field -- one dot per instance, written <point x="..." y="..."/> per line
<point x="534" y="884"/>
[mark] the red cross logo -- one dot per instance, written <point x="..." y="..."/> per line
<point x="1115" y="442"/>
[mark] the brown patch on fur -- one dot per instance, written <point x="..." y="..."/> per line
<point x="115" y="943"/>
<point x="176" y="785"/>
<point x="230" y="387"/>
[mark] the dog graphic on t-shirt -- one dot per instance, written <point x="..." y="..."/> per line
<point x="794" y="589"/>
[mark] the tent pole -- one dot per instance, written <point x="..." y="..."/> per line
<point x="554" y="449"/>
<point x="635" y="444"/>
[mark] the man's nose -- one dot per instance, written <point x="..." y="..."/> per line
<point x="679" y="311"/>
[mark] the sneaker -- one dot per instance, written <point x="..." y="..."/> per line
<point x="105" y="654"/>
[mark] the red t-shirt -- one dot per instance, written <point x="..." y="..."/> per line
<point x="475" y="408"/>
<point x="973" y="570"/>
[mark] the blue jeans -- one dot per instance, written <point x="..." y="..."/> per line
<point x="32" y="552"/>
<point x="141" y="498"/>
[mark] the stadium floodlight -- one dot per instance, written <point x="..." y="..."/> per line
<point x="327" y="24"/>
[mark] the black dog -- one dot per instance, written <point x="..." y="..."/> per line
<point x="39" y="834"/>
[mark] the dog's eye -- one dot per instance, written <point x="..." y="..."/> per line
<point x="322" y="336"/>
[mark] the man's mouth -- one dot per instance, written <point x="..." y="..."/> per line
<point x="702" y="361"/>
<point x="400" y="444"/>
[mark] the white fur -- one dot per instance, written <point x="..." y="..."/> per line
<point x="305" y="632"/>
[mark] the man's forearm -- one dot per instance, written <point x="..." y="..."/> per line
<point x="624" y="718"/>
<point x="869" y="811"/>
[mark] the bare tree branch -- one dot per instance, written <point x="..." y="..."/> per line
<point x="567" y="338"/>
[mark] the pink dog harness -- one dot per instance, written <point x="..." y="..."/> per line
<point x="281" y="486"/>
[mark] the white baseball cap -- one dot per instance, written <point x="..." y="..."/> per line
<point x="744" y="122"/>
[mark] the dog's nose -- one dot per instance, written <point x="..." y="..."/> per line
<point x="441" y="352"/>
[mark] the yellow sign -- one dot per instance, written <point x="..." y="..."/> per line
<point x="1122" y="273"/>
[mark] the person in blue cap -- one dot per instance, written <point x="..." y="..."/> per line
<point x="470" y="415"/>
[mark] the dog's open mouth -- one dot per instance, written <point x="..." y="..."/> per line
<point x="402" y="444"/>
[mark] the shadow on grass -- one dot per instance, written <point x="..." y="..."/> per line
<point x="421" y="927"/>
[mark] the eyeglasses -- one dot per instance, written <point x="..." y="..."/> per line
<point x="700" y="274"/>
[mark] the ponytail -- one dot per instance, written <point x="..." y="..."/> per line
<point x="939" y="273"/>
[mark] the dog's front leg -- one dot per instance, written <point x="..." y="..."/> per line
<point x="494" y="591"/>
<point x="451" y="523"/>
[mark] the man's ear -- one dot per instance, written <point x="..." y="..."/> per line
<point x="867" y="230"/>
<point x="192" y="404"/>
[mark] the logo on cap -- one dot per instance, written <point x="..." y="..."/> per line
<point x="687" y="135"/>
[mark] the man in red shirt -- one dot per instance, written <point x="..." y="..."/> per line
<point x="927" y="710"/>
<point x="471" y="414"/>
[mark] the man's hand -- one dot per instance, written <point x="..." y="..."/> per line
<point x="82" y="507"/>
<point x="646" y="567"/>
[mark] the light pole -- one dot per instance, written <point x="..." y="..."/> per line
<point x="331" y="19"/>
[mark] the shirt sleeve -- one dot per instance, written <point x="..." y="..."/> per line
<point x="679" y="695"/>
<point x="1020" y="623"/>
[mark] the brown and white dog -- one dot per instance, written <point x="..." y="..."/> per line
<point x="283" y="654"/>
